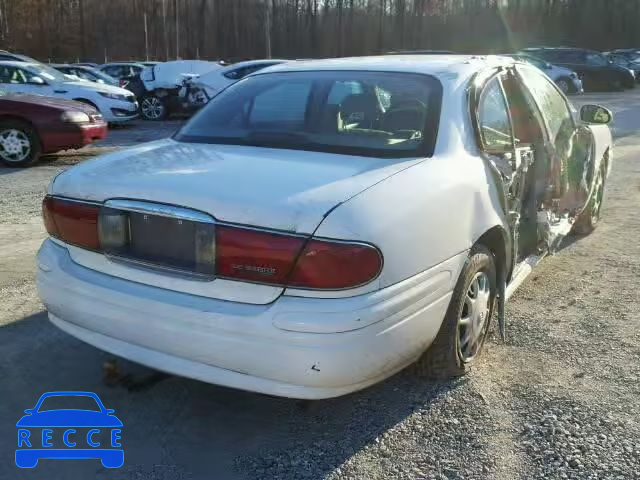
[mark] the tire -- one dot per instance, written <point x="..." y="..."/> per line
<point x="153" y="108"/>
<point x="588" y="220"/>
<point x="19" y="144"/>
<point x="564" y="84"/>
<point x="445" y="357"/>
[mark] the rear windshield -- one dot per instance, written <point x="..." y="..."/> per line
<point x="378" y="114"/>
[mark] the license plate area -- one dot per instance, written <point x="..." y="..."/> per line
<point x="161" y="237"/>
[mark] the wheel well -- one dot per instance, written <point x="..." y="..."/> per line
<point x="495" y="239"/>
<point x="14" y="118"/>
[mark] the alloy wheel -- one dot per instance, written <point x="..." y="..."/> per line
<point x="15" y="145"/>
<point x="598" y="195"/>
<point x="152" y="108"/>
<point x="474" y="317"/>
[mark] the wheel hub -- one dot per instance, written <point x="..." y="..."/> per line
<point x="15" y="145"/>
<point x="474" y="317"/>
<point x="152" y="107"/>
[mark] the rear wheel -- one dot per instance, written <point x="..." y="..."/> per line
<point x="588" y="220"/>
<point x="153" y="108"/>
<point x="465" y="326"/>
<point x="19" y="144"/>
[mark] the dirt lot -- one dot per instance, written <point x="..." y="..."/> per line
<point x="560" y="400"/>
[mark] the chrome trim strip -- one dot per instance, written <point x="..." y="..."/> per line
<point x="186" y="274"/>
<point x="159" y="209"/>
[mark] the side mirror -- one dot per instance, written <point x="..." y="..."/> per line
<point x="595" y="114"/>
<point x="36" y="81"/>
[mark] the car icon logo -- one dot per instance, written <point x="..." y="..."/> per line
<point x="87" y="431"/>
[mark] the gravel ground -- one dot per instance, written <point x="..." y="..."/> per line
<point x="559" y="400"/>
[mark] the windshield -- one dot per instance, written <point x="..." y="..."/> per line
<point x="597" y="59"/>
<point x="379" y="114"/>
<point x="48" y="73"/>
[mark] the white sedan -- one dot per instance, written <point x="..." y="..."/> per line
<point x="116" y="104"/>
<point x="319" y="226"/>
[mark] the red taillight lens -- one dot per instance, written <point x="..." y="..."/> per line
<point x="255" y="255"/>
<point x="240" y="253"/>
<point x="267" y="257"/>
<point x="332" y="265"/>
<point x="72" y="222"/>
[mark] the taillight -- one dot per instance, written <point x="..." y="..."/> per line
<point x="333" y="265"/>
<point x="241" y="253"/>
<point x="294" y="261"/>
<point x="72" y="222"/>
<point x="255" y="255"/>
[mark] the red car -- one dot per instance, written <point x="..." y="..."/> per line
<point x="32" y="125"/>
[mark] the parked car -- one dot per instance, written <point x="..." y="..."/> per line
<point x="566" y="80"/>
<point x="122" y="71"/>
<point x="630" y="54"/>
<point x="593" y="68"/>
<point x="158" y="87"/>
<point x="319" y="226"/>
<point x="114" y="103"/>
<point x="198" y="90"/>
<point x="32" y="125"/>
<point x="626" y="61"/>
<point x="16" y="57"/>
<point x="86" y="73"/>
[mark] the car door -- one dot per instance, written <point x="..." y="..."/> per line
<point x="600" y="68"/>
<point x="569" y="145"/>
<point x="19" y="80"/>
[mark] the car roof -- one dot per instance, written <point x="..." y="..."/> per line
<point x="257" y="62"/>
<point x="438" y="65"/>
<point x="123" y="63"/>
<point x="15" y="63"/>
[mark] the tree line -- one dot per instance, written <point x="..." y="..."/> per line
<point x="101" y="30"/>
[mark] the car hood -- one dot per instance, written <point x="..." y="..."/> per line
<point x="98" y="87"/>
<point x="53" y="102"/>
<point x="289" y="190"/>
<point x="69" y="418"/>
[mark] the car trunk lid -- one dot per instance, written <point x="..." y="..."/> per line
<point x="284" y="190"/>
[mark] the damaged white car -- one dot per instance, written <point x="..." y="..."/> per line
<point x="158" y="86"/>
<point x="197" y="90"/>
<point x="319" y="226"/>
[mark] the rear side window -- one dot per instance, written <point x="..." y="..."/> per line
<point x="379" y="114"/>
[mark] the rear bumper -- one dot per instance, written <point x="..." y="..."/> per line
<point x="250" y="347"/>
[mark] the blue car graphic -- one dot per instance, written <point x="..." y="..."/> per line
<point x="36" y="432"/>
